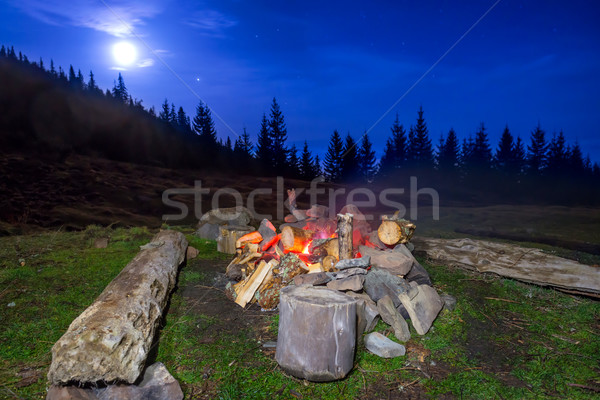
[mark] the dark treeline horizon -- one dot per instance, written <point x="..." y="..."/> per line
<point x="57" y="113"/>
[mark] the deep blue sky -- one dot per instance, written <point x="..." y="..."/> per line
<point x="337" y="65"/>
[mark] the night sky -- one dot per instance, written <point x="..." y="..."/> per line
<point x="337" y="65"/>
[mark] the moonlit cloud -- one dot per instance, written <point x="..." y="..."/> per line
<point x="148" y="62"/>
<point x="211" y="22"/>
<point x="118" y="18"/>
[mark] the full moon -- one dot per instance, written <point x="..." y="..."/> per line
<point x="124" y="53"/>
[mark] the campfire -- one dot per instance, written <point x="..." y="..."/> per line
<point x="334" y="263"/>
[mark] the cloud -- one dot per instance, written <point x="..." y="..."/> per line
<point x="210" y="22"/>
<point x="148" y="62"/>
<point x="118" y="18"/>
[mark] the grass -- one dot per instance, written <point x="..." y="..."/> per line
<point x="504" y="340"/>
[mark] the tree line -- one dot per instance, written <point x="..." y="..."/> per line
<point x="169" y="137"/>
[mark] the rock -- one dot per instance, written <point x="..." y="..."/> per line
<point x="318" y="211"/>
<point x="419" y="275"/>
<point x="381" y="346"/>
<point x="318" y="278"/>
<point x="56" y="392"/>
<point x="423" y="305"/>
<point x="11" y="304"/>
<point x="157" y="384"/>
<point x="112" y="338"/>
<point x="234" y="272"/>
<point x="228" y="216"/>
<point x="354" y="282"/>
<point x="362" y="262"/>
<point x="267" y="231"/>
<point x="379" y="283"/>
<point x="373" y="237"/>
<point x="392" y="317"/>
<point x="349" y="272"/>
<point x="367" y="317"/>
<point x="394" y="262"/>
<point x="100" y="243"/>
<point x="191" y="253"/>
<point x="208" y="231"/>
<point x="449" y="302"/>
<point x="290" y="218"/>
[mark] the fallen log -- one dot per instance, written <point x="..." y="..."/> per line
<point x="317" y="333"/>
<point x="111" y="339"/>
<point x="511" y="261"/>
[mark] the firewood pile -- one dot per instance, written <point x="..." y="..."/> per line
<point x="376" y="267"/>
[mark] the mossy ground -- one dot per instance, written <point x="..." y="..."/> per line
<point x="504" y="340"/>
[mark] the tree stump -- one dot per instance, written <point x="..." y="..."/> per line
<point x="317" y="333"/>
<point x="228" y="236"/>
<point x="111" y="339"/>
<point x="395" y="230"/>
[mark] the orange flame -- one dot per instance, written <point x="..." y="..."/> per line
<point x="305" y="249"/>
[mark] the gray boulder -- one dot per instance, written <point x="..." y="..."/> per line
<point x="423" y="304"/>
<point x="381" y="346"/>
<point x="380" y="283"/>
<point x="208" y="231"/>
<point x="354" y="282"/>
<point x="228" y="216"/>
<point x="392" y="317"/>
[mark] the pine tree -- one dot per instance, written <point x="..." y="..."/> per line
<point x="204" y="126"/>
<point x="183" y="121"/>
<point x="165" y="112"/>
<point x="293" y="162"/>
<point x="350" y="164"/>
<point x="519" y="155"/>
<point x="119" y="91"/>
<point x="420" y="144"/>
<point x="264" y="151"/>
<point x="466" y="154"/>
<point x="333" y="158"/>
<point x="72" y="76"/>
<point x="536" y="152"/>
<point x="481" y="157"/>
<point x="243" y="148"/>
<point x="80" y="80"/>
<point x="52" y="70"/>
<point x="558" y="155"/>
<point x="576" y="163"/>
<point x="2" y="51"/>
<point x="42" y="64"/>
<point x="505" y="152"/>
<point x="61" y="75"/>
<point x="11" y="53"/>
<point x="92" y="86"/>
<point x="278" y="133"/>
<point x="396" y="149"/>
<point x="367" y="160"/>
<point x="448" y="153"/>
<point x="173" y="116"/>
<point x="246" y="144"/>
<point x="306" y="164"/>
<point x="318" y="171"/>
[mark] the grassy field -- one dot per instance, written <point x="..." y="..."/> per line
<point x="504" y="340"/>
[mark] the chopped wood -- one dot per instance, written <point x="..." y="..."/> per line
<point x="295" y="239"/>
<point x="325" y="247"/>
<point x="345" y="236"/>
<point x="249" y="286"/>
<point x="524" y="264"/>
<point x="393" y="231"/>
<point x="252" y="237"/>
<point x="328" y="263"/>
<point x="315" y="268"/>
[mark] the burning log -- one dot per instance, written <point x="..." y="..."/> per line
<point x="395" y="230"/>
<point x="252" y="237"/>
<point x="295" y="239"/>
<point x="325" y="247"/>
<point x="317" y="333"/>
<point x="345" y="236"/>
<point x="328" y="263"/>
